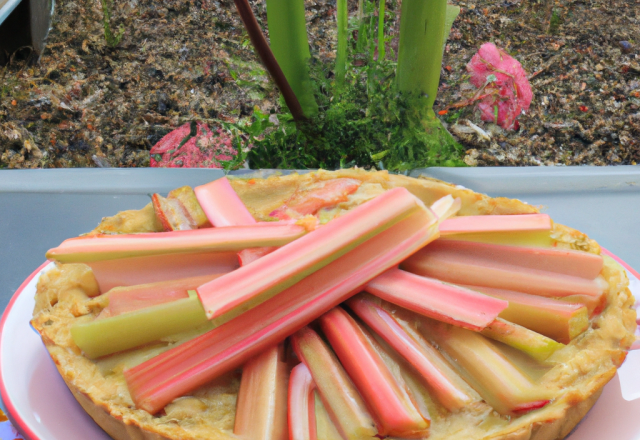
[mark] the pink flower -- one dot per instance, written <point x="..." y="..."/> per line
<point x="504" y="89"/>
<point x="204" y="150"/>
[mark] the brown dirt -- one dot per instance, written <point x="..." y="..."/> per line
<point x="86" y="104"/>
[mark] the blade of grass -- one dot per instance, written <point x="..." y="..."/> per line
<point x="381" y="49"/>
<point x="341" y="54"/>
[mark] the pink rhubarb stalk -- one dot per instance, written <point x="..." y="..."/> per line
<point x="173" y="216"/>
<point x="445" y="384"/>
<point x="558" y="320"/>
<point x="128" y="299"/>
<point x="184" y="368"/>
<point x="301" y="404"/>
<point x="495" y="223"/>
<point x="232" y="238"/>
<point x="565" y="261"/>
<point x="341" y="398"/>
<point x="387" y="397"/>
<point x="221" y="204"/>
<point x="435" y="299"/>
<point x="322" y="194"/>
<point x="457" y="268"/>
<point x="228" y="296"/>
<point x="261" y="411"/>
<point x="502" y="385"/>
<point x="156" y="268"/>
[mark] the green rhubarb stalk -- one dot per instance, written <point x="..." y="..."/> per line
<point x="184" y="368"/>
<point x="245" y="288"/>
<point x="101" y="337"/>
<point x="498" y="380"/>
<point x="261" y="412"/>
<point x="289" y="43"/>
<point x="342" y="19"/>
<point x="385" y="392"/>
<point x="422" y="29"/>
<point x="381" y="42"/>
<point x="450" y="16"/>
<point x="336" y="389"/>
<point x="325" y="428"/>
<point x="534" y="344"/>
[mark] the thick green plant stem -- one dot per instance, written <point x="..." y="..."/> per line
<point x="452" y="13"/>
<point x="341" y="53"/>
<point x="289" y="43"/>
<point x="422" y="30"/>
<point x="381" y="49"/>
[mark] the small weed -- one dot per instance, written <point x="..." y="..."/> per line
<point x="554" y="22"/>
<point x="112" y="39"/>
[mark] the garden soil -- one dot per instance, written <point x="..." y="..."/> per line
<point x="85" y="104"/>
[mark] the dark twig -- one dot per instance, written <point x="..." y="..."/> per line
<point x="268" y="59"/>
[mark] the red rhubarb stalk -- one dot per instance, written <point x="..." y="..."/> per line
<point x="176" y="372"/>
<point x="128" y="299"/>
<point x="559" y="320"/>
<point x="446" y="385"/>
<point x="261" y="411"/>
<point x="457" y="268"/>
<point x="221" y="204"/>
<point x="565" y="261"/>
<point x="388" y="399"/>
<point x="301" y="404"/>
<point x="340" y="396"/>
<point x="156" y="268"/>
<point x="495" y="223"/>
<point x="228" y="296"/>
<point x="232" y="238"/>
<point x="436" y="299"/>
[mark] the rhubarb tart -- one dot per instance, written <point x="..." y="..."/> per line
<point x="334" y="305"/>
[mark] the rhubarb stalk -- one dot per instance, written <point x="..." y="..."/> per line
<point x="228" y="296"/>
<point x="507" y="389"/>
<point x="301" y="404"/>
<point x="559" y="320"/>
<point x="436" y="299"/>
<point x="110" y="335"/>
<point x="447" y="386"/>
<point x="341" y="398"/>
<point x="261" y="412"/>
<point x="221" y="204"/>
<point x="158" y="381"/>
<point x="325" y="428"/>
<point x="385" y="394"/>
<point x="534" y="344"/>
<point x="172" y="214"/>
<point x="521" y="229"/>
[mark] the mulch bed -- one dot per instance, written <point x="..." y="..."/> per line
<point x="86" y="104"/>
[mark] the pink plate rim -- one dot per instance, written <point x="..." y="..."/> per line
<point x="12" y="413"/>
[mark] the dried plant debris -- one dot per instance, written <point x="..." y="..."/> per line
<point x="87" y="104"/>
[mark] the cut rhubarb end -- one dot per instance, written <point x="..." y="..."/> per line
<point x="246" y="256"/>
<point x="131" y="298"/>
<point x="171" y="214"/>
<point x="301" y="404"/>
<point x="232" y="238"/>
<point x="447" y="386"/>
<point x="221" y="204"/>
<point x="528" y="407"/>
<point x="188" y="199"/>
<point x="158" y="381"/>
<point x="325" y="428"/>
<point x="322" y="194"/>
<point x="233" y="294"/>
<point x="534" y="344"/>
<point x="564" y="261"/>
<point x="496" y="223"/>
<point x="359" y="354"/>
<point x="261" y="411"/>
<point x="143" y="270"/>
<point x="110" y="335"/>
<point x="336" y="389"/>
<point x="457" y="268"/>
<point x="558" y="320"/>
<point x="435" y="299"/>
<point x="446" y="207"/>
<point x="495" y="378"/>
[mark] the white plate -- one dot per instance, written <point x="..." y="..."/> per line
<point x="42" y="408"/>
